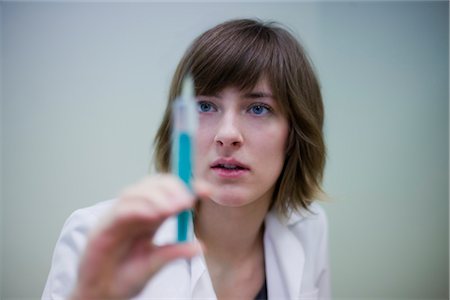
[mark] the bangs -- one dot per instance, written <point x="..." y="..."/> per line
<point x="239" y="58"/>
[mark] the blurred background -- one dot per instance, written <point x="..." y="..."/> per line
<point x="83" y="88"/>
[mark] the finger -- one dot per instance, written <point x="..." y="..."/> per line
<point x="162" y="255"/>
<point x="158" y="196"/>
<point x="154" y="201"/>
<point x="203" y="189"/>
<point x="177" y="193"/>
<point x="143" y="207"/>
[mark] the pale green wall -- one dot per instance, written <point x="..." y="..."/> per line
<point x="84" y="89"/>
<point x="1" y="150"/>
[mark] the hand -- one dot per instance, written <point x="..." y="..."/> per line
<point x="120" y="257"/>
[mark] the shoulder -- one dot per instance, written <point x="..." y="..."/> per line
<point x="69" y="247"/>
<point x="81" y="221"/>
<point x="315" y="215"/>
<point x="77" y="226"/>
<point x="308" y="226"/>
<point x="312" y="223"/>
<point x="300" y="243"/>
<point x="93" y="212"/>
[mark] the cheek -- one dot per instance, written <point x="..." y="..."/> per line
<point x="276" y="154"/>
<point x="205" y="133"/>
<point x="204" y="138"/>
<point x="275" y="139"/>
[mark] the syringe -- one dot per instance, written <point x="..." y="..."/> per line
<point x="184" y="127"/>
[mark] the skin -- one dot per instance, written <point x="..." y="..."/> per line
<point x="247" y="126"/>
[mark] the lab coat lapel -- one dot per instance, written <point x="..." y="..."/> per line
<point x="285" y="259"/>
<point x="172" y="281"/>
<point x="201" y="285"/>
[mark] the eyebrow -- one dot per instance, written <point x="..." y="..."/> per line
<point x="255" y="95"/>
<point x="250" y="95"/>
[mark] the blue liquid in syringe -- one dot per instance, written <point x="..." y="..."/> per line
<point x="184" y="172"/>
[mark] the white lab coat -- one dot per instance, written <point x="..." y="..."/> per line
<point x="296" y="259"/>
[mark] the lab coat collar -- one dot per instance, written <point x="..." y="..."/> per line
<point x="298" y="216"/>
<point x="285" y="258"/>
<point x="201" y="284"/>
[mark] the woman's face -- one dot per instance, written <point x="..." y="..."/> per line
<point x="241" y="144"/>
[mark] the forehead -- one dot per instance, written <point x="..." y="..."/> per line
<point x="262" y="85"/>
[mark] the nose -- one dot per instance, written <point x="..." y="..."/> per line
<point x="228" y="132"/>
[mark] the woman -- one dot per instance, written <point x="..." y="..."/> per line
<point x="260" y="156"/>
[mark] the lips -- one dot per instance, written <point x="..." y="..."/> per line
<point x="229" y="168"/>
<point x="229" y="164"/>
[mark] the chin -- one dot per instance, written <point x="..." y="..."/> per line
<point x="229" y="195"/>
<point x="229" y="201"/>
<point x="232" y="197"/>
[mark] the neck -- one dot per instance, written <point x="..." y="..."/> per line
<point x="230" y="234"/>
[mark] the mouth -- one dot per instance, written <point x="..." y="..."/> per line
<point x="229" y="168"/>
<point x="229" y="164"/>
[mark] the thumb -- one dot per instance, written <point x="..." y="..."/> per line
<point x="203" y="189"/>
<point x="162" y="255"/>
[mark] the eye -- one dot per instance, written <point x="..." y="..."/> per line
<point x="259" y="109"/>
<point x="205" y="106"/>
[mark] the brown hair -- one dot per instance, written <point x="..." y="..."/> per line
<point x="238" y="53"/>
